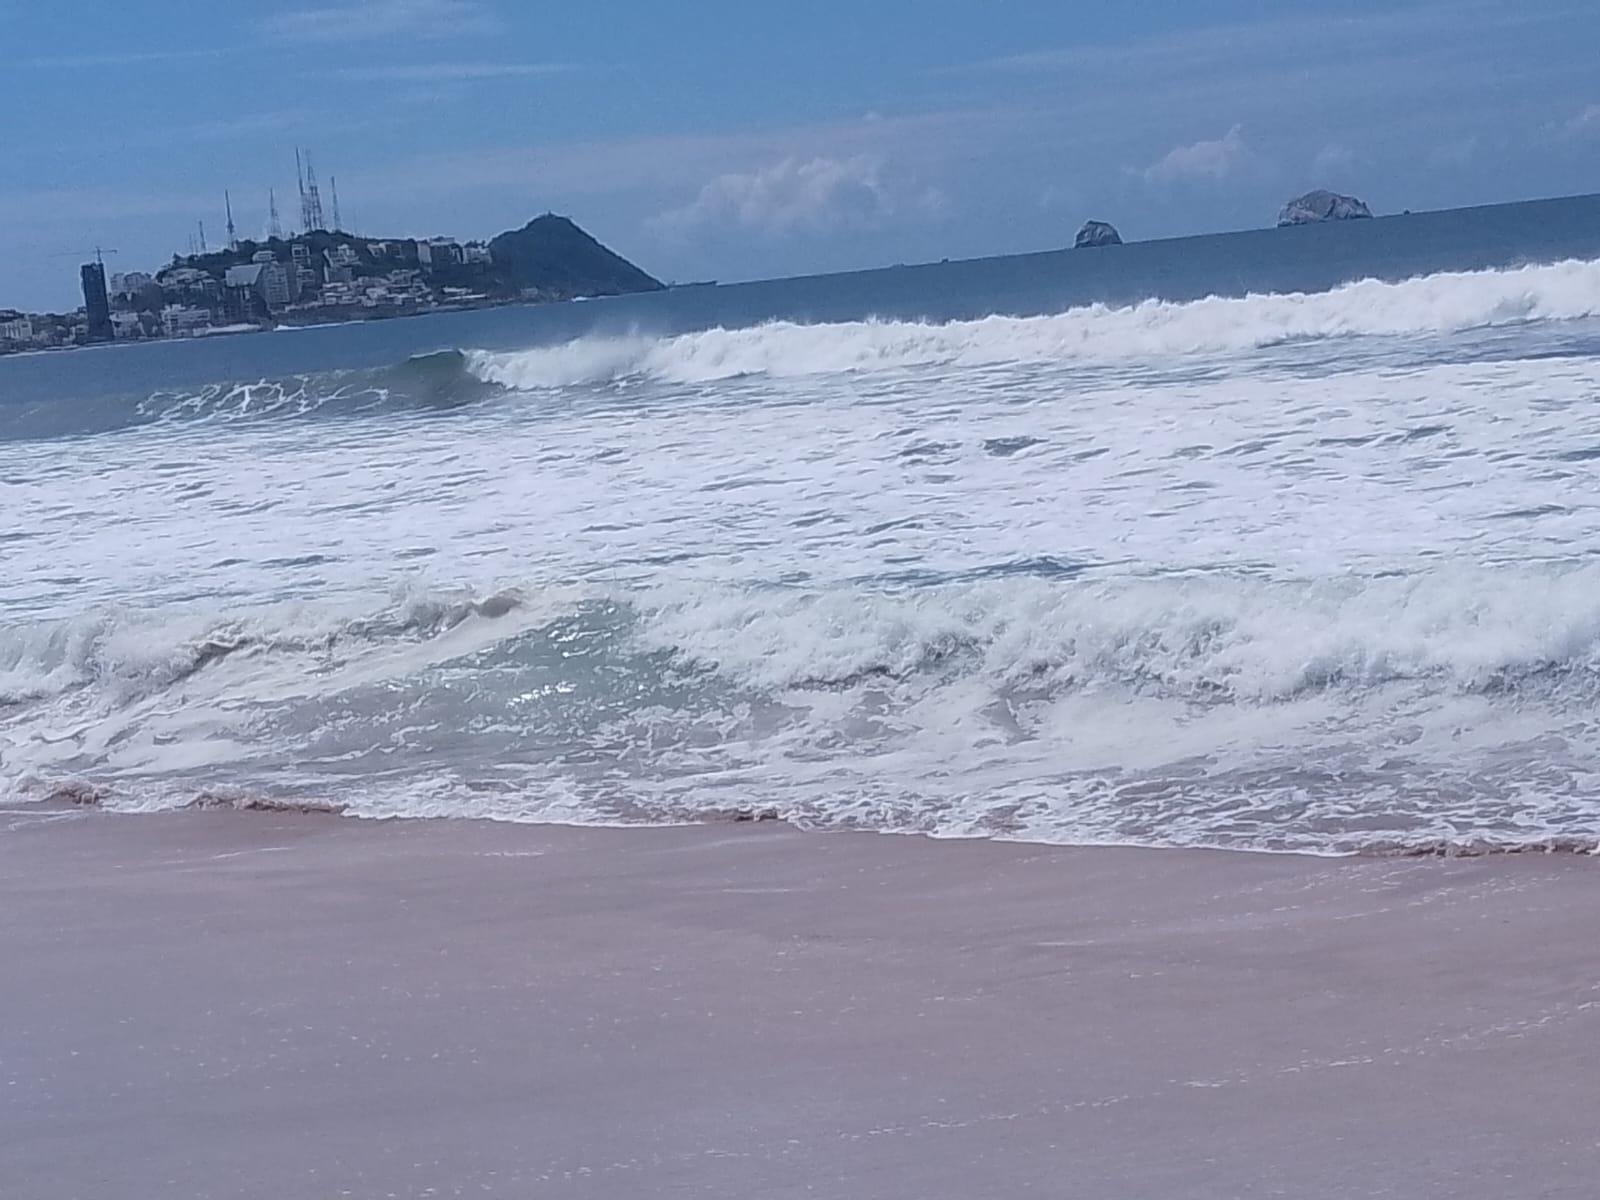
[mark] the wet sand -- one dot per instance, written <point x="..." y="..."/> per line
<point x="257" y="1005"/>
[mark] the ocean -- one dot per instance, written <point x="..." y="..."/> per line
<point x="1279" y="540"/>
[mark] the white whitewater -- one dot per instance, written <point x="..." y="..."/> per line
<point x="1283" y="571"/>
<point x="1446" y="303"/>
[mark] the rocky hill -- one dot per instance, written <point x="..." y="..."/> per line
<point x="549" y="258"/>
<point x="554" y="256"/>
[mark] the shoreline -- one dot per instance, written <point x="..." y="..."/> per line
<point x="242" y="330"/>
<point x="274" y="1004"/>
<point x="70" y="797"/>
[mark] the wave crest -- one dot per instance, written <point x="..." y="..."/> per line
<point x="1384" y="714"/>
<point x="130" y="654"/>
<point x="1443" y="303"/>
<point x="1204" y="638"/>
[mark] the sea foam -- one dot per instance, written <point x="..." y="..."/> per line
<point x="1280" y="571"/>
<point x="1442" y="303"/>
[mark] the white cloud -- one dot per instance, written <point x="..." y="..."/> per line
<point x="452" y="72"/>
<point x="1213" y="159"/>
<point x="362" y="20"/>
<point x="679" y="164"/>
<point x="796" y="195"/>
<point x="1586" y="122"/>
<point x="125" y="58"/>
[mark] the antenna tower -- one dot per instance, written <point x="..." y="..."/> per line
<point x="204" y="249"/>
<point x="274" y="225"/>
<point x="333" y="186"/>
<point x="313" y="199"/>
<point x="233" y="238"/>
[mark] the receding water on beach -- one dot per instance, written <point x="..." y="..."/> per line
<point x="1287" y="541"/>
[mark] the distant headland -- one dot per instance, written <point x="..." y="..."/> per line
<point x="322" y="276"/>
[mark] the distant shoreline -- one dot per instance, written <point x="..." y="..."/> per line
<point x="1115" y="266"/>
<point x="330" y="277"/>
<point x="290" y="326"/>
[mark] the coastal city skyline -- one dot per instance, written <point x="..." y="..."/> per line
<point x="706" y="152"/>
<point x="308" y="263"/>
<point x="315" y="274"/>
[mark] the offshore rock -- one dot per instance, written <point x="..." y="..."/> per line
<point x="1322" y="205"/>
<point x="1097" y="233"/>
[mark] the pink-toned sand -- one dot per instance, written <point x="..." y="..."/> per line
<point x="255" y="1005"/>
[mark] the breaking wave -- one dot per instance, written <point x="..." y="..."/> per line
<point x="1284" y="571"/>
<point x="1207" y="638"/>
<point x="1432" y="304"/>
<point x="1394" y="713"/>
<point x="433" y="382"/>
<point x="127" y="656"/>
<point x="444" y="380"/>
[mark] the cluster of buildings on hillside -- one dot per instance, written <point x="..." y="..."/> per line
<point x="317" y="275"/>
<point x="323" y="274"/>
<point x="313" y="277"/>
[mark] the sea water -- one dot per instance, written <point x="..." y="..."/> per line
<point x="1279" y="540"/>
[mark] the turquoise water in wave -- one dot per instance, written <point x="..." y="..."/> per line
<point x="1281" y="539"/>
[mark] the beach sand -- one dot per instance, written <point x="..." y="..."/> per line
<point x="281" y="1006"/>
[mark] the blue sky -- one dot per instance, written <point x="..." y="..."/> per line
<point x="739" y="140"/>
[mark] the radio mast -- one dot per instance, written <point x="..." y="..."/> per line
<point x="305" y="174"/>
